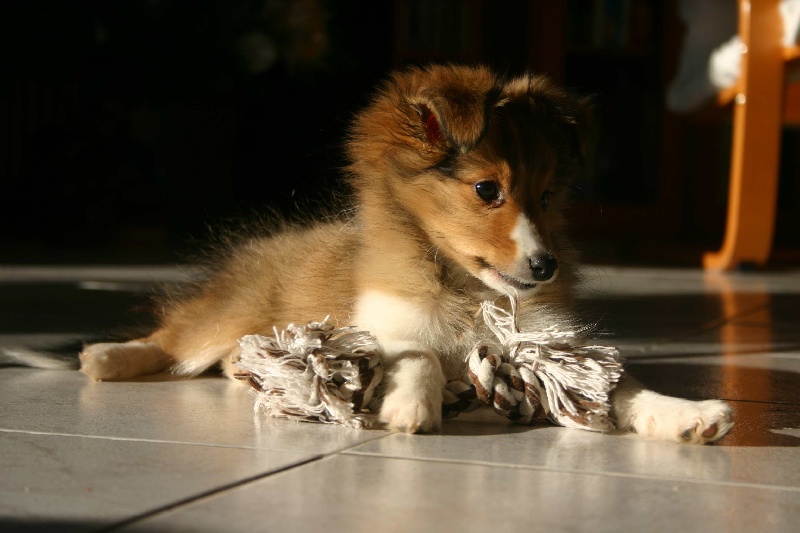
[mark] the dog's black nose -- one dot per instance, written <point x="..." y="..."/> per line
<point x="543" y="267"/>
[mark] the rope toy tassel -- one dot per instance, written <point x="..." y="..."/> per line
<point x="314" y="373"/>
<point x="543" y="375"/>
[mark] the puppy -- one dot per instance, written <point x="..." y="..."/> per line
<point x="460" y="178"/>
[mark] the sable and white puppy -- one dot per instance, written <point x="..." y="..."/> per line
<point x="460" y="178"/>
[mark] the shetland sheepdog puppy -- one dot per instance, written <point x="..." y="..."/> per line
<point x="460" y="178"/>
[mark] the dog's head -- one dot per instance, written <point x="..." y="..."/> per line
<point x="481" y="165"/>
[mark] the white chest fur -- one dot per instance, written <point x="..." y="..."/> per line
<point x="409" y="323"/>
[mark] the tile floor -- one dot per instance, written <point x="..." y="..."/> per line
<point x="188" y="455"/>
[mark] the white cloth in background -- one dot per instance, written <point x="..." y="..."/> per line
<point x="711" y="49"/>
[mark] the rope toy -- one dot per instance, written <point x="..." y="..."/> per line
<point x="320" y="373"/>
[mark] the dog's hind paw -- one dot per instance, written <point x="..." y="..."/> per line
<point x="111" y="361"/>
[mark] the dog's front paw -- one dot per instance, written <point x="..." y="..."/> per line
<point x="708" y="421"/>
<point x="684" y="421"/>
<point x="412" y="413"/>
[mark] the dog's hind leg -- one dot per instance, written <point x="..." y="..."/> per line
<point x="161" y="351"/>
<point x="191" y="339"/>
<point x="666" y="418"/>
<point x="118" y="361"/>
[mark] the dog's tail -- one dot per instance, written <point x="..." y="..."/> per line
<point x="60" y="354"/>
<point x="20" y="356"/>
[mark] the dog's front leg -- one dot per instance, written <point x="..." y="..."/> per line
<point x="414" y="379"/>
<point x="666" y="418"/>
<point x="414" y="384"/>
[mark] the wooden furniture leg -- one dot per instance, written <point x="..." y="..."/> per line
<point x="756" y="140"/>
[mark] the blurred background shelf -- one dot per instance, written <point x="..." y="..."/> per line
<point x="129" y="128"/>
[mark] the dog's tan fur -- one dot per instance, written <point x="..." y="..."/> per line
<point x="423" y="249"/>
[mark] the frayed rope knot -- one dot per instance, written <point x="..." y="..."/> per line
<point x="535" y="376"/>
<point x="324" y="374"/>
<point x="314" y="373"/>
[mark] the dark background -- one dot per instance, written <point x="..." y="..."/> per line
<point x="128" y="128"/>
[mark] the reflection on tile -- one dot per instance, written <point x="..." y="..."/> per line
<point x="761" y="378"/>
<point x="354" y="493"/>
<point x="90" y="482"/>
<point x="696" y="347"/>
<point x="751" y="454"/>
<point x="604" y="280"/>
<point x="81" y="454"/>
<point x="762" y="425"/>
<point x="204" y="410"/>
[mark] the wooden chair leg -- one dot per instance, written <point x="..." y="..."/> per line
<point x="756" y="140"/>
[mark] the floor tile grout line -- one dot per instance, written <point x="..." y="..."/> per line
<point x="210" y="493"/>
<point x="581" y="472"/>
<point x="715" y="323"/>
<point x="764" y="402"/>
<point x="702" y="328"/>
<point x="131" y="439"/>
<point x="178" y="442"/>
<point x="788" y="351"/>
<point x="215" y="492"/>
<point x="706" y="326"/>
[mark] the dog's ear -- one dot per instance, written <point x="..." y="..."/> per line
<point x="453" y="104"/>
<point x="457" y="119"/>
<point x="571" y="115"/>
<point x="577" y="127"/>
<point x="433" y="130"/>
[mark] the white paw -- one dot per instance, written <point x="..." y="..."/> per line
<point x="706" y="421"/>
<point x="414" y="390"/>
<point x="412" y="412"/>
<point x="684" y="421"/>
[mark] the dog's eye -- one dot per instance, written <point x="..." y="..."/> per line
<point x="544" y="201"/>
<point x="488" y="191"/>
